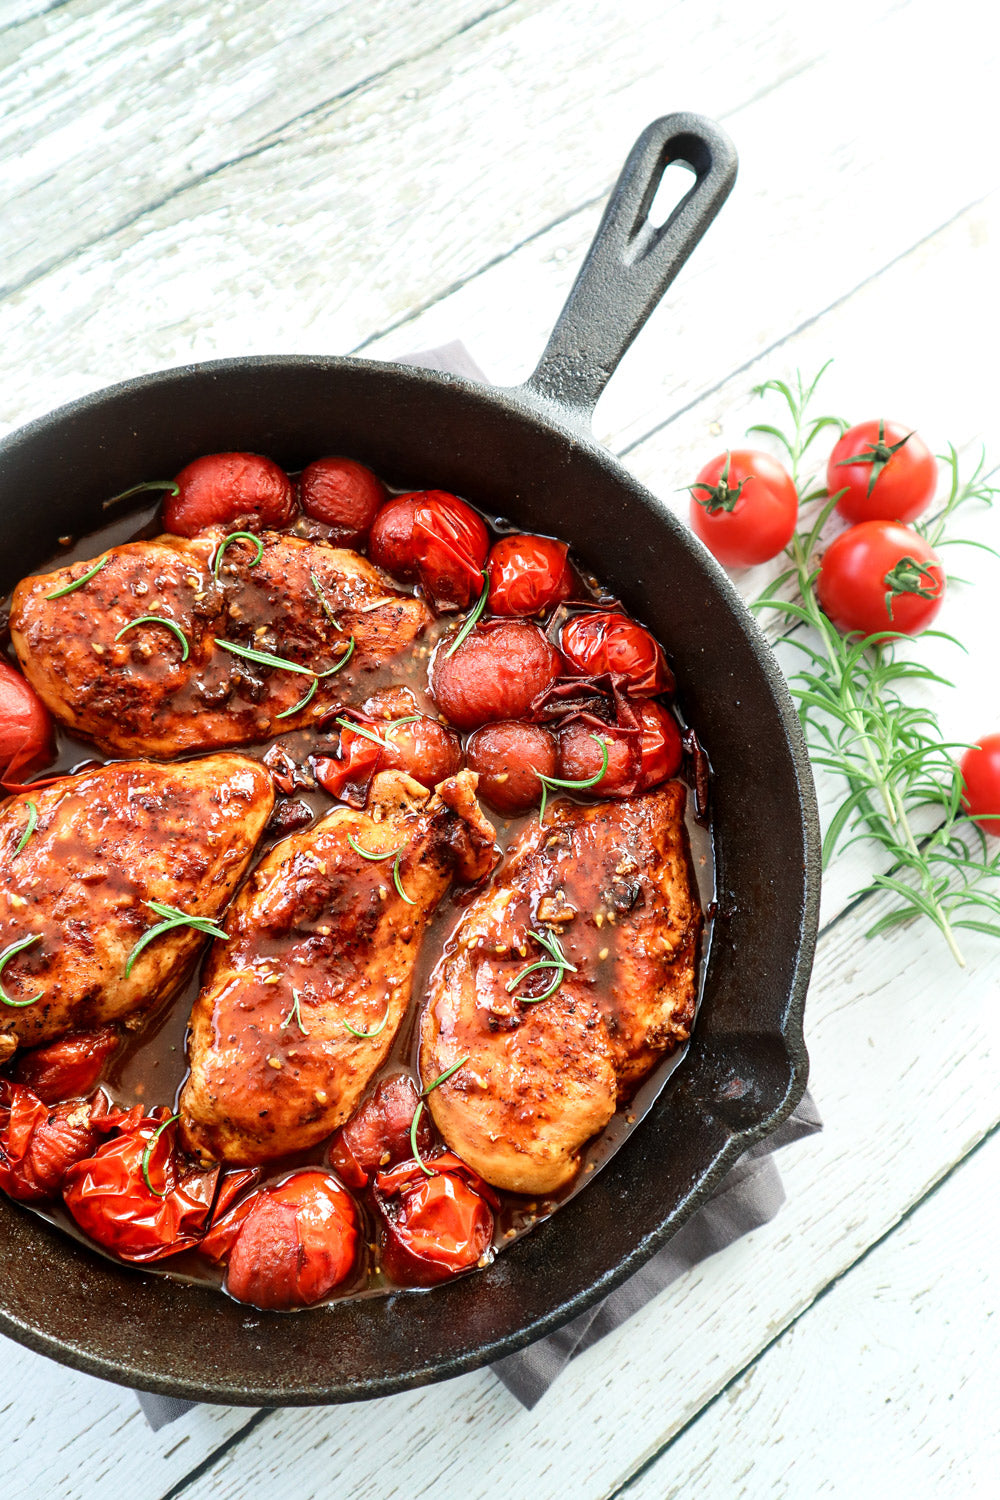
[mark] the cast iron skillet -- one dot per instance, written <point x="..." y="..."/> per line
<point x="527" y="454"/>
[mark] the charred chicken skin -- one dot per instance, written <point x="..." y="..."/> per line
<point x="106" y="666"/>
<point x="77" y="874"/>
<point x="300" y="1006"/>
<point x="609" y="887"/>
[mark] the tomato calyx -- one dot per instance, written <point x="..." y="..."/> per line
<point x="907" y="577"/>
<point x="721" y="496"/>
<point x="878" y="455"/>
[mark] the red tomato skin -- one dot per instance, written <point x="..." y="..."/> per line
<point x="25" y="727"/>
<point x="436" y="538"/>
<point x="390" y="545"/>
<point x="68" y="1068"/>
<point x="608" y="641"/>
<point x="39" y="1144"/>
<point x="223" y="489"/>
<point x="762" y="520"/>
<point x="295" y="1242"/>
<point x="433" y="1227"/>
<point x="496" y="673"/>
<point x="661" y="747"/>
<point x="902" y="490"/>
<point x="580" y="757"/>
<point x="378" y="1134"/>
<point x="425" y="749"/>
<point x="505" y="757"/>
<point x="349" y="775"/>
<point x="980" y="767"/>
<point x="528" y="575"/>
<point x="851" y="586"/>
<point x="343" y="494"/>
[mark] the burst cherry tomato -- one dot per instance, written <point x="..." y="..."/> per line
<point x="229" y="489"/>
<point x="505" y="757"/>
<point x="378" y="1135"/>
<point x="528" y="574"/>
<point x="288" y="1245"/>
<point x="434" y="1226"/>
<point x="349" y="775"/>
<point x="661" y="748"/>
<point x="25" y="728"/>
<point x="436" y="538"/>
<point x="980" y="767"/>
<point x="110" y="1198"/>
<point x="581" y="758"/>
<point x="68" y="1068"/>
<point x="880" y="576"/>
<point x="889" y="472"/>
<point x="343" y="494"/>
<point x="39" y="1144"/>
<point x="608" y="641"/>
<point x="743" y="507"/>
<point x="494" y="674"/>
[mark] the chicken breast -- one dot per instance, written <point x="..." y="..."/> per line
<point x="612" y="885"/>
<point x="327" y="611"/>
<point x="322" y="945"/>
<point x="74" y="893"/>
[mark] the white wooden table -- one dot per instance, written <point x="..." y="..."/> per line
<point x="187" y="180"/>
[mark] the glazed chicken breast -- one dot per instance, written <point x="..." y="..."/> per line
<point x="301" y="1005"/>
<point x="77" y="874"/>
<point x="609" y="887"/>
<point x="167" y="689"/>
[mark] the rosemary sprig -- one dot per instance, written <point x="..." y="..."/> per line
<point x="397" y="880"/>
<point x="5" y="957"/>
<point x="370" y="854"/>
<point x="429" y="1171"/>
<point x="29" y="827"/>
<point x="158" y="620"/>
<point x="324" y="601"/>
<point x="79" y="582"/>
<point x="172" y="917"/>
<point x="304" y="701"/>
<point x="368" y="734"/>
<point x="887" y="753"/>
<point x="294" y="1014"/>
<point x="237" y="536"/>
<point x="141" y="489"/>
<point x="156" y="1192"/>
<point x="556" y="960"/>
<point x="551" y="783"/>
<point x="268" y="659"/>
<point x="365" y="1034"/>
<point x="472" y="618"/>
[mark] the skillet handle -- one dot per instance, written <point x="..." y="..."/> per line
<point x="630" y="263"/>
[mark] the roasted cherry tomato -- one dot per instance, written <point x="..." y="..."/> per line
<point x="343" y="494"/>
<point x="288" y="1245"/>
<point x="528" y="574"/>
<point x="136" y="1195"/>
<point x="378" y="1134"/>
<point x="39" y="1144"/>
<point x="880" y="576"/>
<point x="434" y="1226"/>
<point x="581" y="758"/>
<point x="889" y="473"/>
<point x="349" y="775"/>
<point x="423" y="747"/>
<point x="436" y="538"/>
<point x="68" y="1068"/>
<point x="744" y="506"/>
<point x="25" y="728"/>
<point x="229" y="489"/>
<point x="980" y="767"/>
<point x="494" y="674"/>
<point x="506" y="758"/>
<point x="608" y="641"/>
<point x="660" y="745"/>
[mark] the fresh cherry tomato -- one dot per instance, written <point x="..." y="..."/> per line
<point x="229" y="489"/>
<point x="110" y="1198"/>
<point x="744" y="506"/>
<point x="39" y="1144"/>
<point x="661" y="748"/>
<point x="980" y="767"/>
<point x="436" y="538"/>
<point x="378" y="1134"/>
<point x="68" y="1068"/>
<point x="506" y="757"/>
<point x="289" y="1244"/>
<point x="608" y="641"/>
<point x="880" y="576"/>
<point x="889" y="473"/>
<point x="25" y="728"/>
<point x="528" y="574"/>
<point x="494" y="674"/>
<point x="581" y="757"/>
<point x="343" y="494"/>
<point x="434" y="1226"/>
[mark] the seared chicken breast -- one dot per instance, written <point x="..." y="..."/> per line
<point x="609" y="887"/>
<point x="301" y="1004"/>
<point x="167" y="689"/>
<point x="77" y="876"/>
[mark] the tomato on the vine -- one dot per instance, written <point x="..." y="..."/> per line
<point x="880" y="577"/>
<point x="980" y="767"/>
<point x="744" y="506"/>
<point x="887" y="471"/>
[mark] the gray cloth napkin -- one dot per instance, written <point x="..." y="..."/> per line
<point x="749" y="1196"/>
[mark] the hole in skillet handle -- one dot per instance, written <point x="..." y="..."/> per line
<point x="631" y="261"/>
